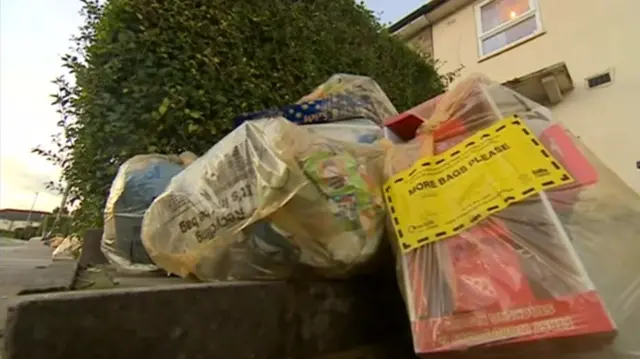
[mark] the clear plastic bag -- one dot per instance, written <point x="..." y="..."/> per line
<point x="138" y="182"/>
<point x="552" y="274"/>
<point x="354" y="131"/>
<point x="342" y="91"/>
<point x="69" y="248"/>
<point x="363" y="122"/>
<point x="269" y="199"/>
<point x="346" y="108"/>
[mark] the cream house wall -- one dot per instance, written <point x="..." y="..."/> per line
<point x="590" y="36"/>
<point x="422" y="42"/>
<point x="7" y="225"/>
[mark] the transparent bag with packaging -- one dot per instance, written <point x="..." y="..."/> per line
<point x="360" y="130"/>
<point x="518" y="241"/>
<point x="270" y="199"/>
<point x="346" y="108"/>
<point x="352" y="96"/>
<point x="274" y="200"/>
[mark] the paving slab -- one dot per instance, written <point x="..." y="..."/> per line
<point x="27" y="267"/>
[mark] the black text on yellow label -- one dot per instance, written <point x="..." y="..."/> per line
<point x="443" y="195"/>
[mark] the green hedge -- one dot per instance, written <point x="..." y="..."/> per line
<point x="6" y="234"/>
<point x="167" y="76"/>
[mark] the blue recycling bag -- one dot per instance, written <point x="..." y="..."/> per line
<point x="139" y="181"/>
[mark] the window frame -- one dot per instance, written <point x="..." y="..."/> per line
<point x="533" y="12"/>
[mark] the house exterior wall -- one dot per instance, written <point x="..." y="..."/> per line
<point x="5" y="224"/>
<point x="422" y="42"/>
<point x="8" y="225"/>
<point x="590" y="36"/>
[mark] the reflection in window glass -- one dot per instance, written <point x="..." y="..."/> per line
<point x="500" y="11"/>
<point x="510" y="35"/>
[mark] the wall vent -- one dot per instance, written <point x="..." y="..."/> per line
<point x="600" y="80"/>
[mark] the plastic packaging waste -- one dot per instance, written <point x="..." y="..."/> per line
<point x="69" y="248"/>
<point x="267" y="199"/>
<point x="138" y="182"/>
<point x="512" y="240"/>
<point x="347" y="108"/>
<point x="354" y="131"/>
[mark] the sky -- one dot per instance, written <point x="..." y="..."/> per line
<point x="33" y="36"/>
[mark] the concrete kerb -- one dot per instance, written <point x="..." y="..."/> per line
<point x="227" y="320"/>
<point x="168" y="321"/>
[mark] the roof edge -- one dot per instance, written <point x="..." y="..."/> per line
<point x="15" y="210"/>
<point x="424" y="9"/>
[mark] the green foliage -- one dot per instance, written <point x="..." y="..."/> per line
<point x="24" y="233"/>
<point x="168" y="76"/>
<point x="6" y="234"/>
<point x="62" y="227"/>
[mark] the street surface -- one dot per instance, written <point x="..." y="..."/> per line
<point x="19" y="263"/>
<point x="18" y="256"/>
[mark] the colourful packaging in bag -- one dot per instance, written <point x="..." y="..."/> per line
<point x="561" y="146"/>
<point x="340" y="107"/>
<point x="348" y="187"/>
<point x="485" y="270"/>
<point x="340" y="117"/>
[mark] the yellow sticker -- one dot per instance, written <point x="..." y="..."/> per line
<point x="441" y="196"/>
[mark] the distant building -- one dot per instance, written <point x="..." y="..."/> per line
<point x="575" y="56"/>
<point x="11" y="219"/>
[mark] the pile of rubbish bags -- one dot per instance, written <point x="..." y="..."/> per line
<point x="69" y="247"/>
<point x="510" y="237"/>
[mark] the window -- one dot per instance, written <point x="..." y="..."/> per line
<point x="504" y="22"/>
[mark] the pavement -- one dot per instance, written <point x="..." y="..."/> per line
<point x="19" y="258"/>
<point x="26" y="267"/>
<point x="10" y="242"/>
